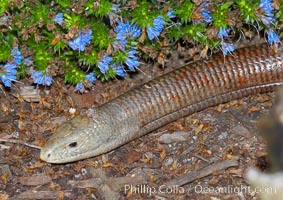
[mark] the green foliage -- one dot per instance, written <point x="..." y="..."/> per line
<point x="279" y="14"/>
<point x="120" y="56"/>
<point x="220" y="16"/>
<point x="185" y="11"/>
<point x="3" y="6"/>
<point x="103" y="8"/>
<point x="21" y="71"/>
<point x="39" y="12"/>
<point x="73" y="20"/>
<point x="197" y="33"/>
<point x="142" y="15"/>
<point x="175" y="33"/>
<point x="42" y="56"/>
<point x="89" y="58"/>
<point x="247" y="9"/>
<point x="59" y="46"/>
<point x="101" y="35"/>
<point x="6" y="44"/>
<point x="74" y="76"/>
<point x="105" y="77"/>
<point x="64" y="3"/>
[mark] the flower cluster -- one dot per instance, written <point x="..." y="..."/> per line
<point x="225" y="47"/>
<point x="41" y="78"/>
<point x="268" y="16"/>
<point x="59" y="19"/>
<point x="272" y="37"/>
<point x="267" y="19"/>
<point x="128" y="58"/>
<point x="124" y="55"/>
<point x="17" y="56"/>
<point x="80" y="42"/>
<point x="103" y="65"/>
<point x="155" y="30"/>
<point x="8" y="72"/>
<point x="119" y="69"/>
<point x="223" y="33"/>
<point x="125" y="32"/>
<point x="170" y="14"/>
<point x="131" y="60"/>
<point x="206" y="14"/>
<point x="88" y="81"/>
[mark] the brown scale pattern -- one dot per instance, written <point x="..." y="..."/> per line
<point x="204" y="83"/>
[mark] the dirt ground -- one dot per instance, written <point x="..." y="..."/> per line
<point x="202" y="156"/>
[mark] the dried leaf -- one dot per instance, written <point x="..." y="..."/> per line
<point x="108" y="164"/>
<point x="4" y="177"/>
<point x="152" y="177"/>
<point x="203" y="53"/>
<point x="162" y="154"/>
<point x="199" y="129"/>
<point x="253" y="109"/>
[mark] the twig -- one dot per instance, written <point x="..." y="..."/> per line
<point x="203" y="159"/>
<point x="202" y="173"/>
<point x="19" y="142"/>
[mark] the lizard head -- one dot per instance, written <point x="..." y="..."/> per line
<point x="71" y="141"/>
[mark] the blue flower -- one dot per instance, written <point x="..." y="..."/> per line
<point x="59" y="19"/>
<point x="17" y="55"/>
<point x="266" y="5"/>
<point x="120" y="71"/>
<point x="41" y="79"/>
<point x="171" y="14"/>
<point x="205" y="13"/>
<point x="90" y="81"/>
<point x="115" y="7"/>
<point x="223" y="33"/>
<point x="80" y="87"/>
<point x="268" y="18"/>
<point x="119" y="44"/>
<point x="227" y="47"/>
<point x="127" y="30"/>
<point x="7" y="79"/>
<point x="8" y="73"/>
<point x="90" y="78"/>
<point x="28" y="62"/>
<point x="10" y="68"/>
<point x="132" y="61"/>
<point x="273" y="37"/>
<point x="104" y="64"/>
<point x="80" y="42"/>
<point x="155" y="30"/>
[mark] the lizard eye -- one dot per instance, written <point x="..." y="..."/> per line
<point x="73" y="144"/>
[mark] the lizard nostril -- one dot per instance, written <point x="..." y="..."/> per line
<point x="73" y="144"/>
<point x="48" y="155"/>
